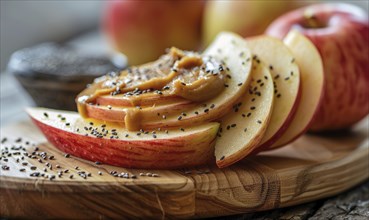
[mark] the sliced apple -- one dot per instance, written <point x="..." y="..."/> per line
<point x="286" y="76"/>
<point x="242" y="129"/>
<point x="142" y="100"/>
<point x="117" y="114"/>
<point x="312" y="84"/>
<point x="110" y="144"/>
<point x="229" y="49"/>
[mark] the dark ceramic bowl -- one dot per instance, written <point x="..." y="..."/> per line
<point x="53" y="74"/>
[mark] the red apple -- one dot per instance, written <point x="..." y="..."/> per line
<point x="111" y="144"/>
<point x="143" y="29"/>
<point x="340" y="32"/>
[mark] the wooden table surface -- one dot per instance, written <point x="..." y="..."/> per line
<point x="353" y="204"/>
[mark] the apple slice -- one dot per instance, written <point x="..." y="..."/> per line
<point x="312" y="85"/>
<point x="147" y="99"/>
<point x="286" y="76"/>
<point x="228" y="48"/>
<point x="117" y="114"/>
<point x="107" y="143"/>
<point x="242" y="129"/>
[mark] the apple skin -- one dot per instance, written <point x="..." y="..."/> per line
<point x="180" y="152"/>
<point x="142" y="30"/>
<point x="247" y="18"/>
<point x="340" y="32"/>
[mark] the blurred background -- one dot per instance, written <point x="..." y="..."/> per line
<point x="79" y="23"/>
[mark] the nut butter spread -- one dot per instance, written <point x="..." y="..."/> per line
<point x="183" y="74"/>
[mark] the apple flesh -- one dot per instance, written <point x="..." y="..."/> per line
<point x="143" y="29"/>
<point x="340" y="33"/>
<point x="154" y="150"/>
<point x="242" y="129"/>
<point x="312" y="86"/>
<point x="247" y="18"/>
<point x="148" y="113"/>
<point x="286" y="76"/>
<point x="148" y="99"/>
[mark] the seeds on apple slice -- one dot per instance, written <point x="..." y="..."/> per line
<point x="242" y="129"/>
<point x="110" y="144"/>
<point x="286" y="76"/>
<point x="312" y="82"/>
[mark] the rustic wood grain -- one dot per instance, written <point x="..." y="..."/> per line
<point x="311" y="168"/>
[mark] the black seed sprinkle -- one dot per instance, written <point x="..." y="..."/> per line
<point x="206" y="110"/>
<point x="249" y="114"/>
<point x="182" y="129"/>
<point x="222" y="158"/>
<point x="279" y="95"/>
<point x="212" y="106"/>
<point x="287" y="78"/>
<point x="233" y="125"/>
<point x="179" y="118"/>
<point x="239" y="84"/>
<point x="252" y="107"/>
<point x="46" y="115"/>
<point x="66" y="155"/>
<point x="259" y="121"/>
<point x="243" y="115"/>
<point x="244" y="130"/>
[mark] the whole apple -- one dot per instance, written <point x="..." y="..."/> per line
<point x="341" y="34"/>
<point x="142" y="30"/>
<point x="247" y="18"/>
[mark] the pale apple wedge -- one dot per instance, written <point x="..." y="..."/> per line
<point x="229" y="49"/>
<point x="286" y="76"/>
<point x="109" y="144"/>
<point x="312" y="85"/>
<point x="242" y="129"/>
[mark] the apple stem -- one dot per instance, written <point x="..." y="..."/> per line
<point x="311" y="21"/>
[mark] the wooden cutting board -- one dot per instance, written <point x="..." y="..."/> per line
<point x="313" y="167"/>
